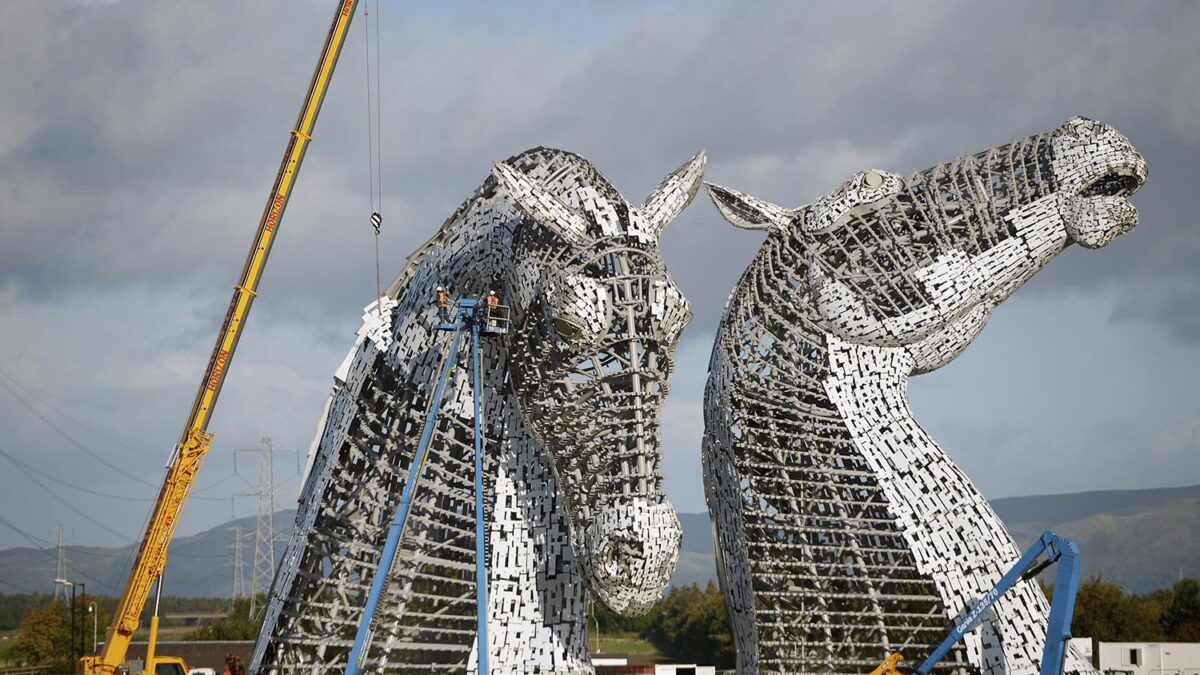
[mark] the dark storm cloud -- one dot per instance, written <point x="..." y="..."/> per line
<point x="153" y="130"/>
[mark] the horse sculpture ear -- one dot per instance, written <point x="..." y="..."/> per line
<point x="673" y="194"/>
<point x="750" y="213"/>
<point x="539" y="204"/>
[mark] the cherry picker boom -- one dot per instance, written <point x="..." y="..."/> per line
<point x="193" y="444"/>
<point x="469" y="315"/>
<point x="1062" y="606"/>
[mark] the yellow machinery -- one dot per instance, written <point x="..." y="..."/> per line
<point x="194" y="443"/>
<point x="890" y="665"/>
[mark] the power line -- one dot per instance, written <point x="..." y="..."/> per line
<point x="62" y="501"/>
<point x="70" y="438"/>
<point x="107" y="556"/>
<point x="18" y="588"/>
<point x="214" y="485"/>
<point x="55" y="479"/>
<point x="203" y="583"/>
<point x="32" y="394"/>
<point x="78" y="423"/>
<point x="126" y="498"/>
<point x="33" y="540"/>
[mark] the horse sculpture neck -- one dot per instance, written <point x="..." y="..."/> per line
<point x="536" y="593"/>
<point x="867" y="488"/>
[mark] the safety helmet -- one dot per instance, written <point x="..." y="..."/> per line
<point x="491" y="292"/>
<point x="440" y="288"/>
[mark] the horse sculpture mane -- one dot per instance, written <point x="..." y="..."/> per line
<point x="572" y="397"/>
<point x="843" y="531"/>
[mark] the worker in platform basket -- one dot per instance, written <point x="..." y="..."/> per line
<point x="491" y="302"/>
<point x="443" y="305"/>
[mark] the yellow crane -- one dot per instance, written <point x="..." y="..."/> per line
<point x="194" y="442"/>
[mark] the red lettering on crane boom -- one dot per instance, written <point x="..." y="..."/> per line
<point x="218" y="368"/>
<point x="273" y="216"/>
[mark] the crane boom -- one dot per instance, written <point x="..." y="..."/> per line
<point x="193" y="445"/>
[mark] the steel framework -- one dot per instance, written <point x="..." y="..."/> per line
<point x="572" y="398"/>
<point x="843" y="531"/>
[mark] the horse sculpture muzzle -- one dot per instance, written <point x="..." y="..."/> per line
<point x="629" y="553"/>
<point x="1098" y="169"/>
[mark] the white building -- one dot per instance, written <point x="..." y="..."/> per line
<point x="1083" y="645"/>
<point x="1150" y="658"/>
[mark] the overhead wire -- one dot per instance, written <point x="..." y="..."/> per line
<point x="31" y="394"/>
<point x="71" y="439"/>
<point x="83" y="514"/>
<point x="212" y="487"/>
<point x="17" y="588"/>
<point x="94" y="455"/>
<point x="55" y="479"/>
<point x="87" y="427"/>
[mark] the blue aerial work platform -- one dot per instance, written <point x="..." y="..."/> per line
<point x="1062" y="606"/>
<point x="475" y="317"/>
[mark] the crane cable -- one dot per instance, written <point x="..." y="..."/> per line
<point x="374" y="145"/>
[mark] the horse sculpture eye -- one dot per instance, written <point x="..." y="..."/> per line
<point x="569" y="327"/>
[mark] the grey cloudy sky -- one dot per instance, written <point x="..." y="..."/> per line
<point x="138" y="142"/>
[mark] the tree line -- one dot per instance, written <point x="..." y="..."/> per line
<point x="44" y="625"/>
<point x="1105" y="613"/>
<point x="689" y="624"/>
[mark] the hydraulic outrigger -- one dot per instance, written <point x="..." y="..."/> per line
<point x="193" y="444"/>
<point x="470" y="315"/>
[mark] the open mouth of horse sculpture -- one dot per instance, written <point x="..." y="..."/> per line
<point x="843" y="530"/>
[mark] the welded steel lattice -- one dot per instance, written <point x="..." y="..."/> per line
<point x="572" y="396"/>
<point x="843" y="531"/>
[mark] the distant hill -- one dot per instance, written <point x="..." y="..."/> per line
<point x="1140" y="539"/>
<point x="199" y="566"/>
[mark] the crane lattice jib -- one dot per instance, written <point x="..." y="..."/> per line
<point x="194" y="441"/>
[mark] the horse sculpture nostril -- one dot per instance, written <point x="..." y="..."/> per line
<point x="1112" y="184"/>
<point x="619" y="555"/>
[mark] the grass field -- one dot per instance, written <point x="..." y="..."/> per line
<point x="627" y="643"/>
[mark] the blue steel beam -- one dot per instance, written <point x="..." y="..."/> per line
<point x="467" y="316"/>
<point x="362" y="640"/>
<point x="480" y="565"/>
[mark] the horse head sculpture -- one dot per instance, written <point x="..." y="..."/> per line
<point x="921" y="261"/>
<point x="596" y="324"/>
<point x="571" y="403"/>
<point x="842" y="527"/>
